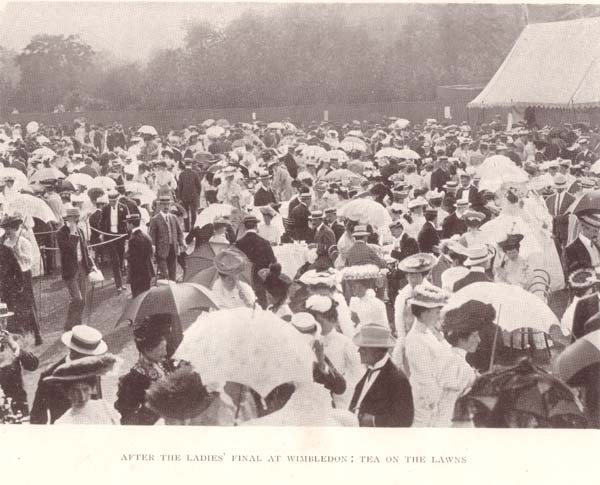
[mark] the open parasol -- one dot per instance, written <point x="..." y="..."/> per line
<point x="353" y="144"/>
<point x="335" y="156"/>
<point x="578" y="356"/>
<point x="344" y="175"/>
<point x="215" y="131"/>
<point x="47" y="174"/>
<point x="105" y="183"/>
<point x="208" y="275"/>
<point x="82" y="179"/>
<point x="28" y="205"/>
<point x="20" y="177"/>
<point x="589" y="201"/>
<point x="249" y="346"/>
<point x="147" y="130"/>
<point x="498" y="170"/>
<point x="367" y="211"/>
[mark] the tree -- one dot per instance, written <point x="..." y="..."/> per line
<point x="52" y="67"/>
<point x="121" y="87"/>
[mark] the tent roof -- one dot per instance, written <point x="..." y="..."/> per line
<point x="551" y="65"/>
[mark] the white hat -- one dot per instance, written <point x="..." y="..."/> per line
<point x="304" y="322"/>
<point x="319" y="303"/>
<point x="560" y="181"/>
<point x="418" y="202"/>
<point x="477" y="255"/>
<point x="85" y="340"/>
<point x="4" y="313"/>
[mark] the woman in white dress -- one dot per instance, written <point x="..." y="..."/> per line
<point x="455" y="376"/>
<point x="229" y="291"/>
<point x="473" y="236"/>
<point x="511" y="268"/>
<point x="79" y="379"/>
<point x="423" y="349"/>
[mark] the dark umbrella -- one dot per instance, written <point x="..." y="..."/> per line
<point x="208" y="276"/>
<point x="589" y="201"/>
<point x="527" y="392"/>
<point x="173" y="298"/>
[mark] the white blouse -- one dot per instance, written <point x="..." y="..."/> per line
<point x="23" y="251"/>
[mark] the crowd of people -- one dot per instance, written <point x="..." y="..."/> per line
<point x="358" y="236"/>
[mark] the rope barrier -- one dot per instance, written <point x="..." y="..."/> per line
<point x="91" y="245"/>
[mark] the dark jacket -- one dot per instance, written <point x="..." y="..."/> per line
<point x="299" y="216"/>
<point x="389" y="398"/>
<point x="94" y="223"/>
<point x="264" y="197"/>
<point x="439" y="178"/>
<point x="577" y="256"/>
<point x="67" y="244"/>
<point x="585" y="308"/>
<point x="188" y="187"/>
<point x="258" y="250"/>
<point x="408" y="247"/>
<point x="473" y="195"/>
<point x="11" y="277"/>
<point x="428" y="238"/>
<point x="453" y="225"/>
<point x="139" y="258"/>
<point x="338" y="229"/>
<point x="11" y="380"/>
<point x="121" y="215"/>
<point x="471" y="277"/>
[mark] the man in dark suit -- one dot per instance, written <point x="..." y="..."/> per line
<point x="167" y="237"/>
<point x="259" y="252"/>
<point x="440" y="176"/>
<point x="584" y="252"/>
<point x="585" y="155"/>
<point x="139" y="257"/>
<point x="558" y="204"/>
<point x="50" y="401"/>
<point x="264" y="194"/>
<point x="454" y="223"/>
<point x="112" y="222"/>
<point x="188" y="192"/>
<point x="478" y="262"/>
<point x="403" y="246"/>
<point x="471" y="191"/>
<point x="331" y="220"/>
<point x="428" y="237"/>
<point x="324" y="239"/>
<point x="76" y="264"/>
<point x="383" y="397"/>
<point x="299" y="216"/>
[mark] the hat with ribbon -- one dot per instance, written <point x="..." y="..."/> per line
<point x="417" y="263"/>
<point x="590" y="217"/>
<point x="428" y="296"/>
<point x="360" y="231"/>
<point x="82" y="369"/>
<point x="304" y="322"/>
<point x="512" y="241"/>
<point x="4" y="313"/>
<point x="229" y="262"/>
<point x="84" y="340"/>
<point x="583" y="278"/>
<point x="477" y="255"/>
<point x="374" y="335"/>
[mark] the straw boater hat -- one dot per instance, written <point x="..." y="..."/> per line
<point x="428" y="296"/>
<point x="4" y="313"/>
<point x="471" y="215"/>
<point x="374" y="335"/>
<point x="417" y="263"/>
<point x="560" y="181"/>
<point x="84" y="340"/>
<point x="591" y="218"/>
<point x="71" y="212"/>
<point x="512" y="241"/>
<point x="82" y="369"/>
<point x="477" y="255"/>
<point x="228" y="263"/>
<point x="267" y="210"/>
<point x="250" y="218"/>
<point x="180" y="395"/>
<point x="304" y="322"/>
<point x="583" y="278"/>
<point x="462" y="204"/>
<point x="315" y="215"/>
<point x="360" y="231"/>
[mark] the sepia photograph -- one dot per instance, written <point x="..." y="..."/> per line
<point x="245" y="215"/>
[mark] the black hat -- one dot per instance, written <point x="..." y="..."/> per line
<point x="180" y="395"/>
<point x="132" y="218"/>
<point x="512" y="241"/>
<point x="471" y="316"/>
<point x="152" y="329"/>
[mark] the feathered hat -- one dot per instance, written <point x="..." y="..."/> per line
<point x="81" y="369"/>
<point x="180" y="395"/>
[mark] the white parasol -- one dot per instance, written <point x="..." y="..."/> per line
<point x="147" y="130"/>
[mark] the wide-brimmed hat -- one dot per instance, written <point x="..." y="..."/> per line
<point x="451" y="185"/>
<point x="583" y="278"/>
<point x="11" y="220"/>
<point x="250" y="218"/>
<point x="152" y="329"/>
<point x="228" y="263"/>
<point x="472" y="215"/>
<point x="511" y="241"/>
<point x="417" y="263"/>
<point x="180" y="395"/>
<point x="477" y="255"/>
<point x="428" y="296"/>
<point x="4" y="313"/>
<point x="267" y="210"/>
<point x="361" y="272"/>
<point x="418" y="202"/>
<point x="435" y="194"/>
<point x="84" y="340"/>
<point x="560" y="181"/>
<point x="469" y="317"/>
<point x="83" y="368"/>
<point x="462" y="204"/>
<point x="313" y="278"/>
<point x="374" y="335"/>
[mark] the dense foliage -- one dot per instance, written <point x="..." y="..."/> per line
<point x="299" y="54"/>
